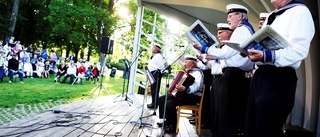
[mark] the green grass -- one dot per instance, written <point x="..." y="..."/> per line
<point x="37" y="94"/>
<point x="40" y="90"/>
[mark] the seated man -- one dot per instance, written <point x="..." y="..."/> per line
<point x="71" y="72"/>
<point x="13" y="67"/>
<point x="191" y="95"/>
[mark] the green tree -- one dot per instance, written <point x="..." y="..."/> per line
<point x="128" y="37"/>
<point x="75" y="24"/>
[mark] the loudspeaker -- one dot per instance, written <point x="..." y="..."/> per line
<point x="106" y="45"/>
<point x="110" y="49"/>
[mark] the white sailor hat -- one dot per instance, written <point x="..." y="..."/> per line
<point x="223" y="26"/>
<point x="236" y="8"/>
<point x="157" y="46"/>
<point x="263" y="16"/>
<point x="189" y="57"/>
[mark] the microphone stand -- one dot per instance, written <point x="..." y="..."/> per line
<point x="167" y="88"/>
<point x="129" y="100"/>
<point x="166" y="98"/>
<point x="140" y="123"/>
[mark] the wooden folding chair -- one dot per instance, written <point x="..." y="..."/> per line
<point x="197" y="109"/>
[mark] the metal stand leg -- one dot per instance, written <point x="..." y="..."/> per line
<point x="139" y="122"/>
<point x="124" y="95"/>
<point x="100" y="87"/>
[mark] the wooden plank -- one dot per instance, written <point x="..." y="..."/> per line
<point x="67" y="127"/>
<point x="37" y="118"/>
<point x="101" y="124"/>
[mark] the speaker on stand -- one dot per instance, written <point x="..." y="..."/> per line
<point x="106" y="46"/>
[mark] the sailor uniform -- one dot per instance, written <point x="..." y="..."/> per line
<point x="191" y="98"/>
<point x="231" y="89"/>
<point x="155" y="65"/>
<point x="273" y="87"/>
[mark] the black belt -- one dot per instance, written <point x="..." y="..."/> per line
<point x="217" y="75"/>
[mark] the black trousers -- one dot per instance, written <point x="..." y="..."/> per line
<point x="155" y="87"/>
<point x="229" y="104"/>
<point x="171" y="106"/>
<point x="206" y="99"/>
<point x="271" y="99"/>
<point x="214" y="101"/>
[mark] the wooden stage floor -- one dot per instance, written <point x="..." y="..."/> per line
<point x="102" y="116"/>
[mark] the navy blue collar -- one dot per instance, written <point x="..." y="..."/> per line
<point x="247" y="25"/>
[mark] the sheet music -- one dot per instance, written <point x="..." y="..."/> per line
<point x="149" y="76"/>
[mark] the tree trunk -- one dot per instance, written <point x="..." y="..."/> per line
<point x="89" y="54"/>
<point x="13" y="18"/>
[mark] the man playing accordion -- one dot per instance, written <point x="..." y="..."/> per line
<point x="191" y="95"/>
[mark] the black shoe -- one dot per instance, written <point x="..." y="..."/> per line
<point x="205" y="126"/>
<point x="159" y="124"/>
<point x="192" y="121"/>
<point x="170" y="129"/>
<point x="150" y="106"/>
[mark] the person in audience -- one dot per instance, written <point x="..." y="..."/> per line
<point x="16" y="51"/>
<point x="71" y="72"/>
<point x="24" y="56"/>
<point x="62" y="70"/>
<point x="30" y="50"/>
<point x="46" y="70"/>
<point x="40" y="68"/>
<point x="13" y="67"/>
<point x="89" y="74"/>
<point x="81" y="72"/>
<point x="96" y="73"/>
<point x="21" y="66"/>
<point x="33" y="61"/>
<point x="28" y="69"/>
<point x="11" y="42"/>
<point x="1" y="65"/>
<point x="38" y="52"/>
<point x="191" y="95"/>
<point x="72" y="57"/>
<point x="44" y="53"/>
<point x="53" y="57"/>
<point x="53" y="69"/>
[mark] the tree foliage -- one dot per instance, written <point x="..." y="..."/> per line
<point x="70" y="25"/>
<point x="128" y="37"/>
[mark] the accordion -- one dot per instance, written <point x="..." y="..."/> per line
<point x="182" y="78"/>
